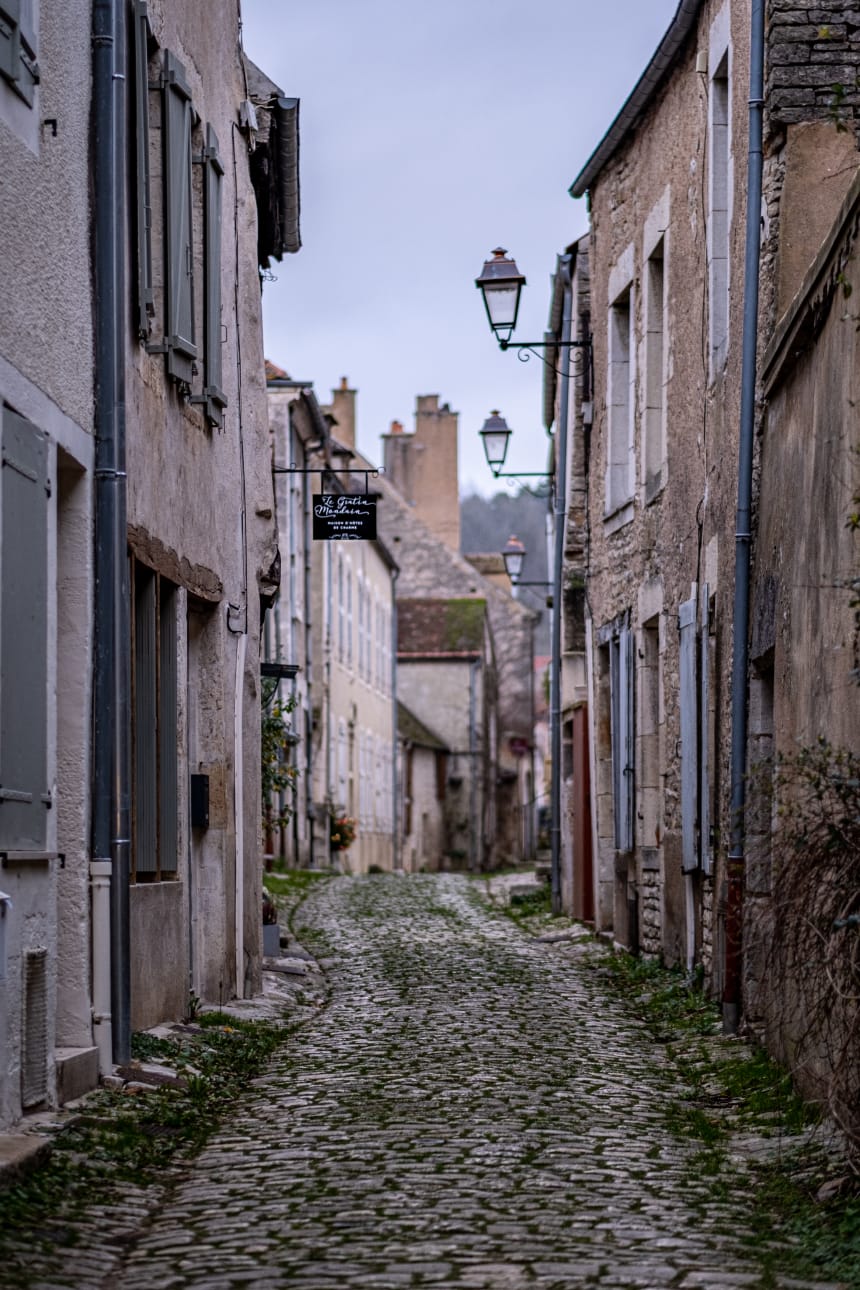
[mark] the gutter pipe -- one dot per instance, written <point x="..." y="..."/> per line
<point x="559" y="510"/>
<point x="395" y="806"/>
<point x="111" y="813"/>
<point x="732" y="983"/>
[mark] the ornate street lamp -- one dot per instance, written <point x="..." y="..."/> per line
<point x="495" y="434"/>
<point x="500" y="283"/>
<point x="513" y="555"/>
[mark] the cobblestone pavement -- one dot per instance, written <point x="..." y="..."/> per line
<point x="468" y="1111"/>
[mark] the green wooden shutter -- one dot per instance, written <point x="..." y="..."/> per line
<point x="24" y="796"/>
<point x="18" y="63"/>
<point x="689" y="734"/>
<point x="178" y="113"/>
<point x="143" y="195"/>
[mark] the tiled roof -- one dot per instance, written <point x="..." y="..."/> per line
<point x="414" y="731"/>
<point x="443" y="627"/>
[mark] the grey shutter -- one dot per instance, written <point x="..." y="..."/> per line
<point x="216" y="400"/>
<point x="145" y="297"/>
<point x="689" y="734"/>
<point x="181" y="346"/>
<point x="145" y="723"/>
<point x="24" y="797"/>
<point x="621" y="700"/>
<point x="625" y="742"/>
<point x="168" y="758"/>
<point x="18" y="47"/>
<point x="10" y="38"/>
<point x="705" y="739"/>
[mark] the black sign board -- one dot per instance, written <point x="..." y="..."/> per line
<point x="345" y="517"/>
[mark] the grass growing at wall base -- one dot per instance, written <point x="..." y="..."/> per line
<point x="733" y="1092"/>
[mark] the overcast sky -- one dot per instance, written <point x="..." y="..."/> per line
<point x="431" y="133"/>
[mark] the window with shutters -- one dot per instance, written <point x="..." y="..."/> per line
<point x="169" y="143"/>
<point x="620" y="403"/>
<point x="155" y="726"/>
<point x="178" y="123"/>
<point x="24" y="500"/>
<point x="18" y="66"/>
<point x="719" y="214"/>
<point x="213" y="397"/>
<point x="655" y="373"/>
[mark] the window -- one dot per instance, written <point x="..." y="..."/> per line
<point x="155" y="716"/>
<point x="18" y="66"/>
<point x="718" y="217"/>
<point x="654" y="427"/>
<point x="349" y="628"/>
<point x="619" y="447"/>
<point x="24" y="795"/>
<point x="341" y="610"/>
<point x="168" y="143"/>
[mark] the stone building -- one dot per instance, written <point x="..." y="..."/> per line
<point x="419" y="516"/>
<point x="658" y="470"/>
<point x="138" y="525"/>
<point x="297" y="425"/>
<point x="446" y="666"/>
<point x="422" y="772"/>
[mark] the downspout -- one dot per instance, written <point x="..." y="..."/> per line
<point x="111" y="815"/>
<point x="239" y="811"/>
<point x="395" y="806"/>
<point x="306" y="546"/>
<point x="477" y="833"/>
<point x="559" y="511"/>
<point x="732" y="982"/>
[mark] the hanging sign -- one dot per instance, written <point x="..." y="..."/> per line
<point x="345" y="517"/>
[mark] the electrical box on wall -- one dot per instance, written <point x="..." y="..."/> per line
<point x="200" y="801"/>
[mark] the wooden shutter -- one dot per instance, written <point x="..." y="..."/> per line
<point x="181" y="339"/>
<point x="621" y="699"/>
<point x="18" y="63"/>
<point x="689" y="734"/>
<point x="705" y="738"/>
<point x="143" y="194"/>
<point x="168" y="744"/>
<point x="24" y="795"/>
<point x="145" y="723"/>
<point x="216" y="399"/>
<point x="34" y="1029"/>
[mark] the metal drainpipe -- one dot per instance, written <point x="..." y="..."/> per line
<point x="395" y="811"/>
<point x="111" y="814"/>
<point x="732" y="983"/>
<point x="477" y="839"/>
<point x="559" y="509"/>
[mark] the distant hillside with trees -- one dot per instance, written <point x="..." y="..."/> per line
<point x="486" y="523"/>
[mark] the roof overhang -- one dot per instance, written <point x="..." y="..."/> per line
<point x="645" y="89"/>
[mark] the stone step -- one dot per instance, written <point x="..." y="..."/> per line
<point x="77" y="1072"/>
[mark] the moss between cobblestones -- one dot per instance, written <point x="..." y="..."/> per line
<point x="118" y="1137"/>
<point x="734" y="1090"/>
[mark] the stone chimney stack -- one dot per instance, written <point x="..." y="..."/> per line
<point x="423" y="467"/>
<point x="342" y="408"/>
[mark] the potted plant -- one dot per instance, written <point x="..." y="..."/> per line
<point x="342" y="830"/>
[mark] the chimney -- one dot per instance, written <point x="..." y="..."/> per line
<point x="342" y="408"/>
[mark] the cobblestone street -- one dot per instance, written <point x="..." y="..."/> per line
<point x="468" y="1110"/>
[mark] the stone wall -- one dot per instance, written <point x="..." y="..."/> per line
<point x="812" y="62"/>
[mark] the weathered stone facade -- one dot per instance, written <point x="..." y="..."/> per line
<point x="666" y="256"/>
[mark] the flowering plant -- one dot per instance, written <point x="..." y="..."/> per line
<point x="342" y="831"/>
